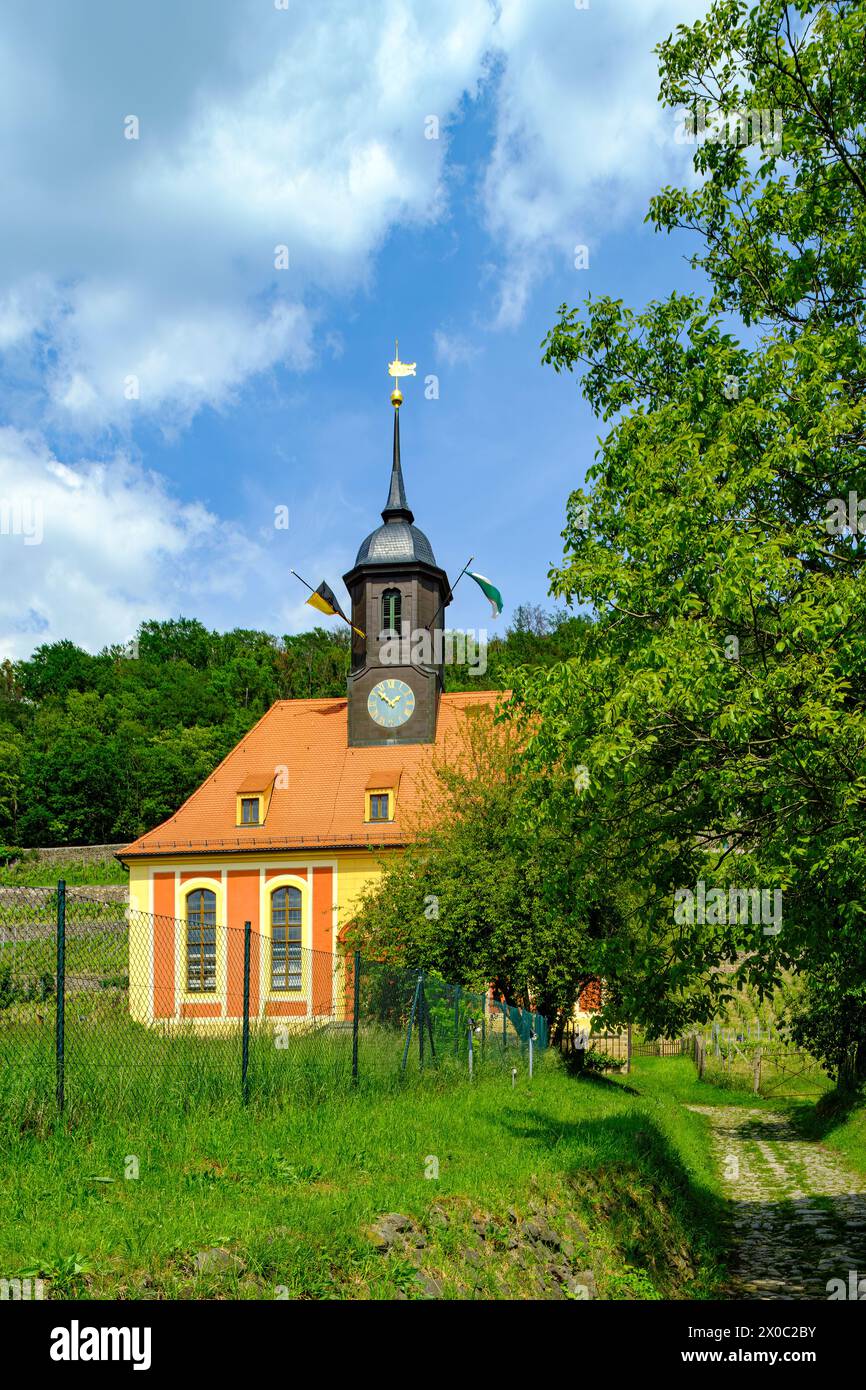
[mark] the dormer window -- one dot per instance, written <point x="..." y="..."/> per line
<point x="253" y="798"/>
<point x="391" y="610"/>
<point x="380" y="796"/>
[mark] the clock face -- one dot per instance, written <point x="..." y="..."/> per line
<point x="391" y="703"/>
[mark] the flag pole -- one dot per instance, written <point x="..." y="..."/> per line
<point x="451" y="589"/>
<point x="304" y="582"/>
<point x="337" y="614"/>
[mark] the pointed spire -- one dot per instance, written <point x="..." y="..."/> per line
<point x="397" y="508"/>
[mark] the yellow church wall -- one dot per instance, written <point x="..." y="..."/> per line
<point x="140" y="944"/>
<point x="158" y="889"/>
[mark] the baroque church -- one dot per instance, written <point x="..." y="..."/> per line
<point x="292" y="825"/>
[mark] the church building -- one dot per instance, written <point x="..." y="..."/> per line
<point x="291" y="826"/>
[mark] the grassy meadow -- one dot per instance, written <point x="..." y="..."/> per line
<point x="289" y="1196"/>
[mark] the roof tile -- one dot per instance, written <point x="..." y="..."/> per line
<point x="318" y="800"/>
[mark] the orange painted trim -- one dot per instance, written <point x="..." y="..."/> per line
<point x="323" y="922"/>
<point x="278" y="873"/>
<point x="205" y="873"/>
<point x="242" y="905"/>
<point x="201" y="1010"/>
<point x="285" y="1008"/>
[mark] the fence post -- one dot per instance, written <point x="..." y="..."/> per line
<point x="628" y="1052"/>
<point x="245" y="1048"/>
<point x="471" y="1026"/>
<point x="456" y="1020"/>
<point x="429" y="1018"/>
<point x="356" y="1008"/>
<point x="411" y="1021"/>
<point x="504" y="1028"/>
<point x="422" y="1004"/>
<point x="699" y="1057"/>
<point x="60" y="1038"/>
<point x="757" y="1077"/>
<point x="531" y="1042"/>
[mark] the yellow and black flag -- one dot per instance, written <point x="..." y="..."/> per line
<point x="325" y="600"/>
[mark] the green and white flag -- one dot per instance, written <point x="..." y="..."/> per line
<point x="491" y="591"/>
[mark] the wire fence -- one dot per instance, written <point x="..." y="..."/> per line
<point x="103" y="1006"/>
<point x="762" y="1063"/>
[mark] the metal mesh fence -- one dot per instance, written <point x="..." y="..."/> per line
<point x="103" y="1007"/>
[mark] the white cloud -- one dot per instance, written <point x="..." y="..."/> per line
<point x="258" y="128"/>
<point x="88" y="552"/>
<point x="454" y="349"/>
<point x="154" y="258"/>
<point x="580" y="139"/>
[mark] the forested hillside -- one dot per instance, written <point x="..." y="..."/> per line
<point x="96" y="749"/>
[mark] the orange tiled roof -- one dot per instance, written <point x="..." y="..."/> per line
<point x="323" y="804"/>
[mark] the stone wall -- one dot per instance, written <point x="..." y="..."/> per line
<point x="80" y="854"/>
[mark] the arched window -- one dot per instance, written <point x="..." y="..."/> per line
<point x="286" y="938"/>
<point x="201" y="940"/>
<point x="391" y="610"/>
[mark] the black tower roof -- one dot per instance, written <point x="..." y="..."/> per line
<point x="397" y="540"/>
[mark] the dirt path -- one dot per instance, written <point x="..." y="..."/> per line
<point x="798" y="1214"/>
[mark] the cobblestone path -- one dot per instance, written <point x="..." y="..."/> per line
<point x="798" y="1215"/>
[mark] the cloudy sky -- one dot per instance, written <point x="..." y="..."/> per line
<point x="167" y="381"/>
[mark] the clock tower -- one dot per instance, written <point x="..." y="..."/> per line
<point x="399" y="595"/>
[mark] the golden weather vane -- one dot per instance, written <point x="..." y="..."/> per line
<point x="396" y="369"/>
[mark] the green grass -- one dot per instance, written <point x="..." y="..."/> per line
<point x="32" y="872"/>
<point x="674" y="1080"/>
<point x="291" y="1190"/>
<point x="839" y="1121"/>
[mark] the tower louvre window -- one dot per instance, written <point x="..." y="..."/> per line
<point x="391" y="610"/>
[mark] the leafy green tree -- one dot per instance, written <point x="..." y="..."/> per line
<point x="57" y="668"/>
<point x="718" y="704"/>
<point x="11" y="781"/>
<point x="312" y="664"/>
<point x="179" y="639"/>
<point x="477" y="900"/>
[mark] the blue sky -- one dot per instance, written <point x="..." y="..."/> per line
<point x="145" y="268"/>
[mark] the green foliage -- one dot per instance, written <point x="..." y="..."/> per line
<point x="477" y="899"/>
<point x="829" y="1019"/>
<point x="719" y="701"/>
<point x="17" y="991"/>
<point x="596" y="1061"/>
